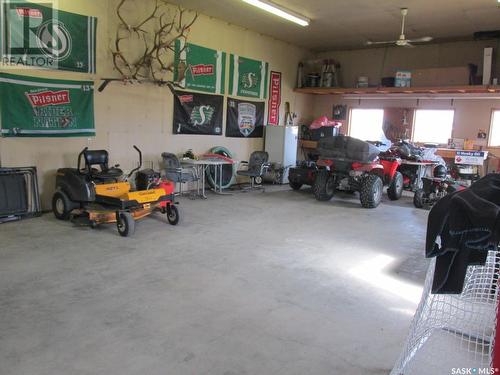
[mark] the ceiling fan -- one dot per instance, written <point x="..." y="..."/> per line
<point x="402" y="41"/>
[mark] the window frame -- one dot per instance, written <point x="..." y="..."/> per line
<point x="492" y="115"/>
<point x="414" y="125"/>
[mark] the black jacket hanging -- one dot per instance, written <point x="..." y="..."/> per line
<point x="461" y="229"/>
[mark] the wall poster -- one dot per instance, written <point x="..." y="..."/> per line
<point x="245" y="119"/>
<point x="36" y="107"/>
<point x="204" y="69"/>
<point x="197" y="113"/>
<point x="247" y="77"/>
<point x="37" y="35"/>
<point x="273" y="108"/>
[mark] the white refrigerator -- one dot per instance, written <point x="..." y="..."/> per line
<point x="281" y="145"/>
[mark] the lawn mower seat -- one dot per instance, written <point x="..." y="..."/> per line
<point x="100" y="158"/>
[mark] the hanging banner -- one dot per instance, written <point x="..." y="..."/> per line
<point x="247" y="77"/>
<point x="197" y="113"/>
<point x="204" y="69"/>
<point x="35" y="107"/>
<point x="43" y="37"/>
<point x="245" y="119"/>
<point x="273" y="108"/>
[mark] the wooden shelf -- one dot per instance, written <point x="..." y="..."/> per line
<point x="377" y="91"/>
<point x="308" y="144"/>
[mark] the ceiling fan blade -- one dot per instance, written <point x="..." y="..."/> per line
<point x="422" y="39"/>
<point x="369" y="42"/>
<point x="402" y="41"/>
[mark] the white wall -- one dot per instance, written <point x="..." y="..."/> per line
<point x="142" y="114"/>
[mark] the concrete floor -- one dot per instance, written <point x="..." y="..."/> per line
<point x="253" y="283"/>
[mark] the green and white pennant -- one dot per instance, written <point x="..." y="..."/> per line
<point x="248" y="77"/>
<point x="202" y="68"/>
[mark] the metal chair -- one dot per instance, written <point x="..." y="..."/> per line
<point x="173" y="171"/>
<point x="255" y="169"/>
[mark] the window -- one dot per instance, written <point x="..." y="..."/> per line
<point x="433" y="126"/>
<point x="495" y="129"/>
<point x="367" y="124"/>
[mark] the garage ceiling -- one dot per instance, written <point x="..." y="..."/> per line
<point x="338" y="24"/>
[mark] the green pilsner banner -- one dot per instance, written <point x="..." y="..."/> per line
<point x="247" y="77"/>
<point x="44" y="37"/>
<point x="35" y="107"/>
<point x="204" y="69"/>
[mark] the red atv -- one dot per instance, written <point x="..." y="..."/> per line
<point x="351" y="165"/>
<point x="436" y="187"/>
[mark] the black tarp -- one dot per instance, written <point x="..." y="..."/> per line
<point x="344" y="147"/>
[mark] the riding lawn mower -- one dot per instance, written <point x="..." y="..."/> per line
<point x="90" y="196"/>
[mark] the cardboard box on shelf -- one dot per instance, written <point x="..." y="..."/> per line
<point x="403" y="78"/>
<point x="469" y="144"/>
<point x="453" y="76"/>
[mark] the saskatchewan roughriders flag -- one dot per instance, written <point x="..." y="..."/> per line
<point x="204" y="69"/>
<point x="197" y="113"/>
<point x="245" y="119"/>
<point x="248" y="77"/>
<point x="35" y="107"/>
<point x="37" y="35"/>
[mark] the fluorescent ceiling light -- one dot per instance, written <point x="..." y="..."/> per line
<point x="279" y="11"/>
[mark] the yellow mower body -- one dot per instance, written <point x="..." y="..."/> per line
<point x="121" y="190"/>
<point x="115" y="189"/>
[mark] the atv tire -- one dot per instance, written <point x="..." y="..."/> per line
<point x="62" y="205"/>
<point x="295" y="185"/>
<point x="324" y="186"/>
<point x="418" y="198"/>
<point x="395" y="189"/>
<point x="370" y="193"/>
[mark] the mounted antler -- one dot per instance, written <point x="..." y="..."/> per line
<point x="158" y="33"/>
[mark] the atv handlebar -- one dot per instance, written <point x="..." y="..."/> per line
<point x="140" y="162"/>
